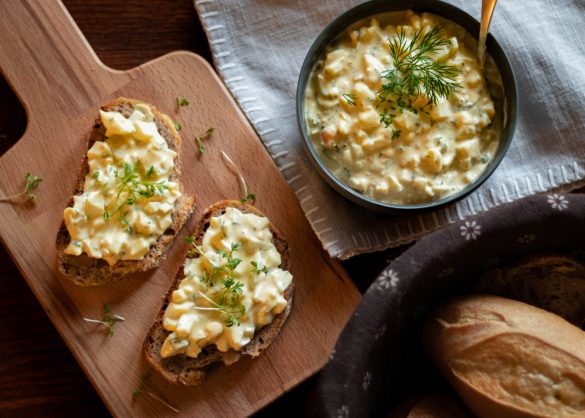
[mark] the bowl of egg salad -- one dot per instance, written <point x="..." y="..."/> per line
<point x="395" y="110"/>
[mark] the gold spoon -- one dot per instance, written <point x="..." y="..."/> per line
<point x="487" y="9"/>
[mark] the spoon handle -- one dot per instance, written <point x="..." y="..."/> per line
<point x="487" y="9"/>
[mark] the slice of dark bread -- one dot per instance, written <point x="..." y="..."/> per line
<point x="552" y="282"/>
<point x="191" y="371"/>
<point x="88" y="271"/>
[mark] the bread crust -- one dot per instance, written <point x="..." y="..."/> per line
<point x="507" y="358"/>
<point x="87" y="271"/>
<point x="191" y="371"/>
<point x="552" y="282"/>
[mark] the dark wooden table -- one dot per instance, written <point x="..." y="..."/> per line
<point x="38" y="375"/>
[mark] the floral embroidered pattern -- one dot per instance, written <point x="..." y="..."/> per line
<point x="367" y="381"/>
<point x="342" y="412"/>
<point x="386" y="280"/>
<point x="470" y="230"/>
<point x="557" y="201"/>
<point x="526" y="239"/>
<point x="379" y="332"/>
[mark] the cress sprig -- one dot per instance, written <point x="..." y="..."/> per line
<point x="228" y="298"/>
<point x="201" y="137"/>
<point x="135" y="185"/>
<point x="30" y="184"/>
<point x="108" y="320"/>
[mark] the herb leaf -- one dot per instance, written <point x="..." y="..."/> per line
<point x="181" y="101"/>
<point x="178" y="125"/>
<point x="257" y="270"/>
<point x="250" y="197"/>
<point x="30" y="184"/>
<point x="200" y="138"/>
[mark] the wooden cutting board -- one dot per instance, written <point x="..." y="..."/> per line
<point x="61" y="84"/>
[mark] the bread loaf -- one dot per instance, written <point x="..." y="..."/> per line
<point x="509" y="359"/>
<point x="552" y="282"/>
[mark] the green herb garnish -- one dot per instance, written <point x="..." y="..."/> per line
<point x="227" y="298"/>
<point x="350" y="98"/>
<point x="396" y="133"/>
<point x="135" y="186"/>
<point x="178" y="126"/>
<point x="257" y="270"/>
<point x="201" y="138"/>
<point x="143" y="389"/>
<point x="182" y="102"/>
<point x="30" y="183"/>
<point x="108" y="320"/>
<point x="415" y="73"/>
<point x="250" y="198"/>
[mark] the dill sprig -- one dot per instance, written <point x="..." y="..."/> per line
<point x="200" y="138"/>
<point x="30" y="183"/>
<point x="143" y="389"/>
<point x="108" y="320"/>
<point x="136" y="185"/>
<point x="415" y="73"/>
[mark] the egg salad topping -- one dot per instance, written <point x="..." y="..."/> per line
<point x="233" y="288"/>
<point x="401" y="111"/>
<point x="128" y="200"/>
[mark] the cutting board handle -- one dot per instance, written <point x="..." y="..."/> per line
<point x="47" y="60"/>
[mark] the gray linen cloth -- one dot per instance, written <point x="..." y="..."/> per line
<point x="259" y="46"/>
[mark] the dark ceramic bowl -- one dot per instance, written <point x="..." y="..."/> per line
<point x="379" y="360"/>
<point x="370" y="9"/>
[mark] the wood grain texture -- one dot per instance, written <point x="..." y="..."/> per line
<point x="61" y="83"/>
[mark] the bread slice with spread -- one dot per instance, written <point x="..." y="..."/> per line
<point x="231" y="297"/>
<point x="128" y="203"/>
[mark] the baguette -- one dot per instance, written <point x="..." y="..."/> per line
<point x="87" y="271"/>
<point x="509" y="359"/>
<point x="191" y="371"/>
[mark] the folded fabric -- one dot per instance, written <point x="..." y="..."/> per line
<point x="259" y="45"/>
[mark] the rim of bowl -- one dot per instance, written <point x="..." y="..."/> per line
<point x="371" y="9"/>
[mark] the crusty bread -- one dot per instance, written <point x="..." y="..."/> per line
<point x="434" y="406"/>
<point x="551" y="282"/>
<point x="88" y="271"/>
<point x="509" y="359"/>
<point x="191" y="371"/>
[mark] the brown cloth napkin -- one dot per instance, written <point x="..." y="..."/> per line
<point x="379" y="360"/>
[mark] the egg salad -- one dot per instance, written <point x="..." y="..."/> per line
<point x="232" y="287"/>
<point x="401" y="112"/>
<point x="128" y="197"/>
